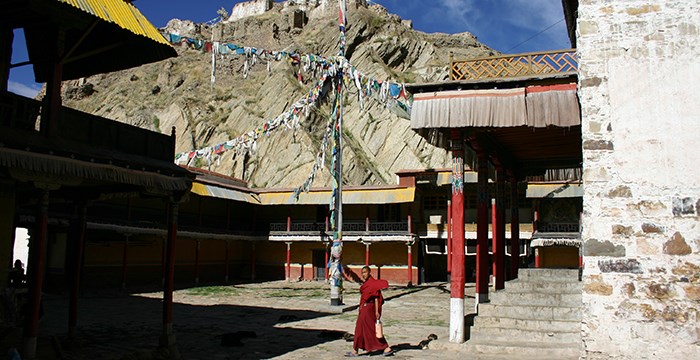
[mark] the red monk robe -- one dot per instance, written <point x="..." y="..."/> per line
<point x="371" y="301"/>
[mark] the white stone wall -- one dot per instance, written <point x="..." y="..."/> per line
<point x="640" y="98"/>
<point x="249" y="8"/>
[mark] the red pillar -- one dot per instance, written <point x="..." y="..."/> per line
<point x="252" y="261"/>
<point x="37" y="259"/>
<point x="366" y="254"/>
<point x="514" y="229"/>
<point x="6" y="39"/>
<point x="289" y="261"/>
<point x="168" y="337"/>
<point x="289" y="223"/>
<point x="449" y="236"/>
<point x="482" y="230"/>
<point x="197" y="249"/>
<point x="494" y="240"/>
<point x="410" y="266"/>
<point x="226" y="260"/>
<point x="499" y="228"/>
<point x="580" y="248"/>
<point x="537" y="258"/>
<point x="77" y="267"/>
<point x="457" y="278"/>
<point x="326" y="250"/>
<point x="125" y="252"/>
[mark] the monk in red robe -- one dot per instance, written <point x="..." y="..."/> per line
<point x="371" y="301"/>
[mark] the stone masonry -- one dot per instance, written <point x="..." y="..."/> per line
<point x="639" y="85"/>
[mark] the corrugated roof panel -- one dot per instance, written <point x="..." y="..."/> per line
<point x="368" y="196"/>
<point x="120" y="13"/>
<point x="223" y="193"/>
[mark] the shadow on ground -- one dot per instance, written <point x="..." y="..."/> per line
<point x="129" y="327"/>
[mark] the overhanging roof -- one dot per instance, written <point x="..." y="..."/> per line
<point x="224" y="193"/>
<point x="529" y="129"/>
<point x="356" y="196"/>
<point x="96" y="36"/>
<point x="554" y="190"/>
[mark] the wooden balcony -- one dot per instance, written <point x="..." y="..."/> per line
<point x="79" y="132"/>
<point x="527" y="65"/>
<point x="349" y="228"/>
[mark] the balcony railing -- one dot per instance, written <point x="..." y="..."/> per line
<point x="515" y="65"/>
<point x="348" y="227"/>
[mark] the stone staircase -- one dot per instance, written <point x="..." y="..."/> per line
<point x="537" y="316"/>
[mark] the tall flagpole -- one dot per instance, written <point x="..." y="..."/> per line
<point x="335" y="267"/>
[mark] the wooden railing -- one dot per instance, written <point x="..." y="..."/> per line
<point x="515" y="65"/>
<point x="348" y="227"/>
<point x="21" y="113"/>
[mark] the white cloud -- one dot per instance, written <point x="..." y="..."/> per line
<point x="22" y="89"/>
<point x="535" y="14"/>
<point x="459" y="12"/>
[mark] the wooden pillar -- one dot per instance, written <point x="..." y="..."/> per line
<point x="163" y="254"/>
<point x="52" y="102"/>
<point x="482" y="230"/>
<point x="457" y="278"/>
<point x="289" y="261"/>
<point x="168" y="336"/>
<point x="253" y="257"/>
<point x="226" y="260"/>
<point x="410" y="264"/>
<point x="35" y="272"/>
<point x="499" y="230"/>
<point x="77" y="261"/>
<point x="449" y="236"/>
<point x="580" y="248"/>
<point x="538" y="264"/>
<point x="367" y="253"/>
<point x="514" y="229"/>
<point x="326" y="252"/>
<point x="228" y="216"/>
<point x="125" y="251"/>
<point x="197" y="251"/>
<point x="367" y="221"/>
<point x="6" y="39"/>
<point x="289" y="223"/>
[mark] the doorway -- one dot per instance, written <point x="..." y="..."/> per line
<point x="319" y="264"/>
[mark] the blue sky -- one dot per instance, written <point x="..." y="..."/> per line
<point x="505" y="25"/>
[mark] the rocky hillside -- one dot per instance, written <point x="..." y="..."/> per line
<point x="177" y="92"/>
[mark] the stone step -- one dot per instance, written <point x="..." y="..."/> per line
<point x="471" y="355"/>
<point x="550" y="275"/>
<point x="526" y="324"/>
<point x="536" y="299"/>
<point x="489" y="334"/>
<point x="523" y="349"/>
<point x="558" y="287"/>
<point x="530" y="312"/>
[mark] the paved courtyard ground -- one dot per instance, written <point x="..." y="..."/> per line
<point x="290" y="321"/>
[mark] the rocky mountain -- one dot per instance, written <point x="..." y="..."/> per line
<point x="178" y="92"/>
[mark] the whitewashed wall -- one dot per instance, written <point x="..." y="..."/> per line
<point x="249" y="8"/>
<point x="640" y="98"/>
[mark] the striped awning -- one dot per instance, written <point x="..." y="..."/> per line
<point x="534" y="106"/>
